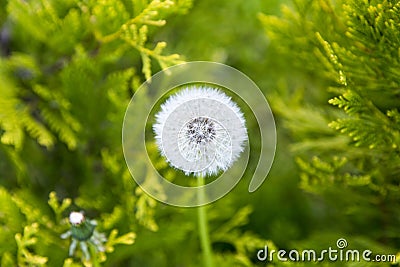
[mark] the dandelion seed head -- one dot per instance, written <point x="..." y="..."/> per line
<point x="200" y="130"/>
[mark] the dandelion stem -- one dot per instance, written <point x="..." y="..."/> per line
<point x="203" y="225"/>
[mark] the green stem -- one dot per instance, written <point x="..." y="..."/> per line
<point x="203" y="225"/>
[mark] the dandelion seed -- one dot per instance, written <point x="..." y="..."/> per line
<point x="200" y="130"/>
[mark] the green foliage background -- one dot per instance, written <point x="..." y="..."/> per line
<point x="329" y="69"/>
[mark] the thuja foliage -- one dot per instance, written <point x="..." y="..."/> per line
<point x="35" y="234"/>
<point x="67" y="72"/>
<point x="341" y="103"/>
<point x="68" y="69"/>
<point x="63" y="40"/>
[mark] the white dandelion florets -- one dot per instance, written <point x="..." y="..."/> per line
<point x="200" y="130"/>
<point x="76" y="218"/>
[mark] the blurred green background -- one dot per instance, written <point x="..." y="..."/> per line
<point x="329" y="69"/>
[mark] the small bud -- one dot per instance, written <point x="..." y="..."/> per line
<point x="76" y="218"/>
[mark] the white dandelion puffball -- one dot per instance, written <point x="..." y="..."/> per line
<point x="200" y="131"/>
